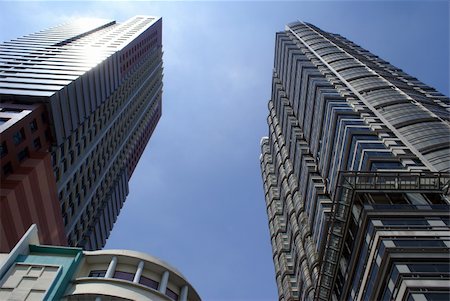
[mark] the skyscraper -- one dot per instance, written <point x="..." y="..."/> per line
<point x="355" y="171"/>
<point x="79" y="103"/>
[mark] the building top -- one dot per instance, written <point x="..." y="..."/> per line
<point x="135" y="255"/>
<point x="40" y="64"/>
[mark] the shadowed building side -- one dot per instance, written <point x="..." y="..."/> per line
<point x="27" y="188"/>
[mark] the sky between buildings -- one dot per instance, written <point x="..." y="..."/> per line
<point x="196" y="198"/>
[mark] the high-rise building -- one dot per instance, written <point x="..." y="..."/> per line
<point x="78" y="104"/>
<point x="355" y="171"/>
<point x="32" y="271"/>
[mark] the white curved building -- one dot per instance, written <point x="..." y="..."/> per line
<point x="32" y="271"/>
<point x="128" y="275"/>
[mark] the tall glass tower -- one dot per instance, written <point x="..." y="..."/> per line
<point x="79" y="103"/>
<point x="355" y="171"/>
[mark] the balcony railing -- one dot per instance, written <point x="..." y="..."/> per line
<point x="392" y="181"/>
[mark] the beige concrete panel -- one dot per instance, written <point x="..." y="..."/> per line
<point x="115" y="287"/>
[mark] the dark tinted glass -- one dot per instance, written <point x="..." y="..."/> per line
<point x="171" y="294"/>
<point x="3" y="149"/>
<point x="148" y="282"/>
<point x="419" y="243"/>
<point x="97" y="273"/>
<point x="33" y="125"/>
<point x="37" y="143"/>
<point x="19" y="136"/>
<point x="7" y="168"/>
<point x="436" y="296"/>
<point x="434" y="267"/>
<point x="23" y="154"/>
<point x="399" y="222"/>
<point x="124" y="275"/>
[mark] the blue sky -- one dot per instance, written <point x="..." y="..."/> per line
<point x="196" y="198"/>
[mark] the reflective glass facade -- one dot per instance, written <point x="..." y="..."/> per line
<point x="355" y="171"/>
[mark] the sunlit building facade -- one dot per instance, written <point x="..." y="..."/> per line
<point x="32" y="271"/>
<point x="355" y="172"/>
<point x="79" y="103"/>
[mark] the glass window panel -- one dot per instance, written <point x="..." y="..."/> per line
<point x="124" y="275"/>
<point x="148" y="282"/>
<point x="97" y="273"/>
<point x="171" y="294"/>
<point x="419" y="243"/>
<point x="417" y="199"/>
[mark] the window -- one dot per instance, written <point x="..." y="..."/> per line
<point x="23" y="154"/>
<point x="97" y="273"/>
<point x="19" y="136"/>
<point x="380" y="165"/>
<point x="435" y="198"/>
<point x="7" y="169"/>
<point x="71" y="209"/>
<point x="378" y="198"/>
<point x="417" y="199"/>
<point x="148" y="282"/>
<point x="417" y="243"/>
<point x="398" y="198"/>
<point x="37" y="143"/>
<point x="405" y="222"/>
<point x="124" y="275"/>
<point x="171" y="294"/>
<point x="433" y="268"/>
<point x="33" y="126"/>
<point x="3" y="149"/>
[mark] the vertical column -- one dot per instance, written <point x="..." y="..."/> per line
<point x="138" y="274"/>
<point x="163" y="283"/>
<point x="184" y="293"/>
<point x="111" y="268"/>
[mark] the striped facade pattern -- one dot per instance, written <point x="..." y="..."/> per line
<point x="336" y="107"/>
<point x="410" y="234"/>
<point x="29" y="196"/>
<point x="101" y="83"/>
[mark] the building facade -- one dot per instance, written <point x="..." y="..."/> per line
<point x="79" y="102"/>
<point x="32" y="271"/>
<point x="355" y="172"/>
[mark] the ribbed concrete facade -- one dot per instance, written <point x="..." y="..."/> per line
<point x="101" y="84"/>
<point x="355" y="172"/>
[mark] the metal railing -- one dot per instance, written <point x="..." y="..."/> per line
<point x="353" y="182"/>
